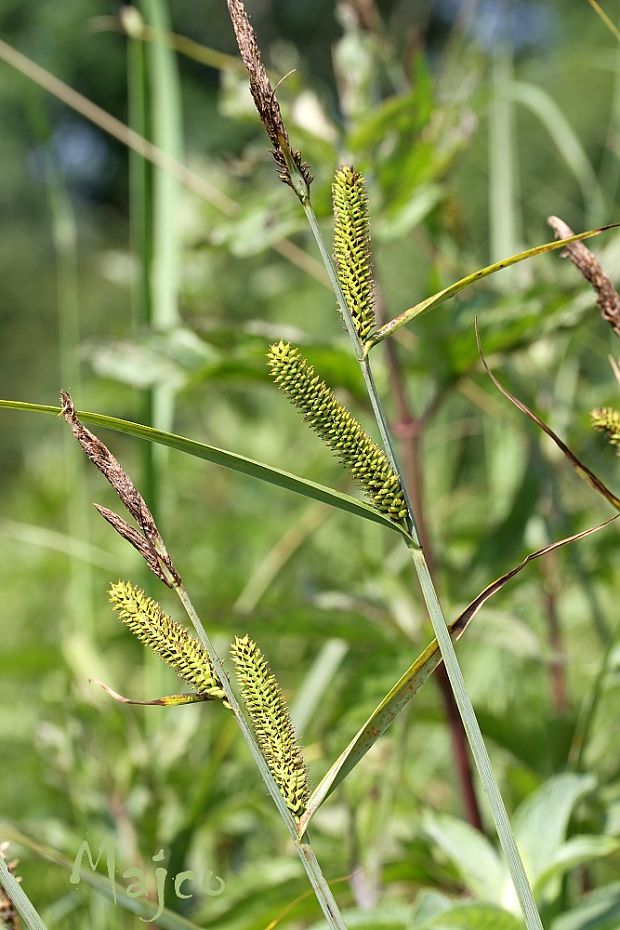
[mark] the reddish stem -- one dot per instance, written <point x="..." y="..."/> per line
<point x="409" y="430"/>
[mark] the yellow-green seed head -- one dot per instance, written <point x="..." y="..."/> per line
<point x="367" y="463"/>
<point x="168" y="639"/>
<point x="352" y="248"/>
<point x="272" y="723"/>
<point x="608" y="420"/>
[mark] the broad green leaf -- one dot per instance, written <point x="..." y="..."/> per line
<point x="541" y="821"/>
<point x="222" y="457"/>
<point x="410" y="683"/>
<point x="474" y="917"/>
<point x="435" y="299"/>
<point x="597" y="911"/>
<point x="383" y="917"/>
<point x="101" y="883"/>
<point x="475" y="858"/>
<point x="578" y="850"/>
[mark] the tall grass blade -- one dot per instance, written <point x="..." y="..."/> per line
<point x="232" y="460"/>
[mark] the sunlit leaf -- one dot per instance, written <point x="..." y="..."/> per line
<point x="222" y="457"/>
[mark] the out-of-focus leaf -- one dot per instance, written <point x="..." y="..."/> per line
<point x="258" y="226"/>
<point x="473" y="917"/>
<point x="399" y="222"/>
<point x="102" y="884"/>
<point x="599" y="910"/>
<point x="384" y="917"/>
<point x="476" y="860"/>
<point x="540" y="742"/>
<point x="541" y="821"/>
<point x="222" y="457"/>
<point x="411" y="682"/>
<point x="578" y="850"/>
<point x="582" y="470"/>
<point x="151" y="359"/>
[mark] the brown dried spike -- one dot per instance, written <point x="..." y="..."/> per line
<point x="586" y="262"/>
<point x="135" y="539"/>
<point x="112" y="470"/>
<point x="265" y="98"/>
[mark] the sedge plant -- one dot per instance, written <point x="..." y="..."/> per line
<point x="257" y="703"/>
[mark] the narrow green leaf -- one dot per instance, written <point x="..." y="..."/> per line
<point x="435" y="299"/>
<point x="410" y="683"/>
<point x="232" y="460"/>
<point x="19" y="898"/>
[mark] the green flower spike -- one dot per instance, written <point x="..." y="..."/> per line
<point x="352" y="248"/>
<point x="608" y="420"/>
<point x="367" y="463"/>
<point x="272" y="723"/>
<point x="171" y="641"/>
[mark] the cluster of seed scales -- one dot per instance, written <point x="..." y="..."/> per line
<point x="608" y="420"/>
<point x="272" y="723"/>
<point x="171" y="641"/>
<point x="338" y="429"/>
<point x="352" y="248"/>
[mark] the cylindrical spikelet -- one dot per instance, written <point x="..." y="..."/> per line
<point x="272" y="723"/>
<point x="608" y="420"/>
<point x="171" y="641"/>
<point x="352" y="248"/>
<point x="367" y="463"/>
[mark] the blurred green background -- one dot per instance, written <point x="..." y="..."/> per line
<point x="149" y="300"/>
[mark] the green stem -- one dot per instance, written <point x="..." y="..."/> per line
<point x="453" y="669"/>
<point x="18" y="896"/>
<point x="476" y="742"/>
<point x="304" y="849"/>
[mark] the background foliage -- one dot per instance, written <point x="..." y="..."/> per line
<point x="472" y="122"/>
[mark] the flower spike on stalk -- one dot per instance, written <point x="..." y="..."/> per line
<point x="169" y="640"/>
<point x="272" y="723"/>
<point x="352" y="248"/>
<point x="340" y="431"/>
<point x="608" y="421"/>
<point x="291" y="167"/>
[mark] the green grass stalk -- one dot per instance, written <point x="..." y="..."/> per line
<point x="453" y="669"/>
